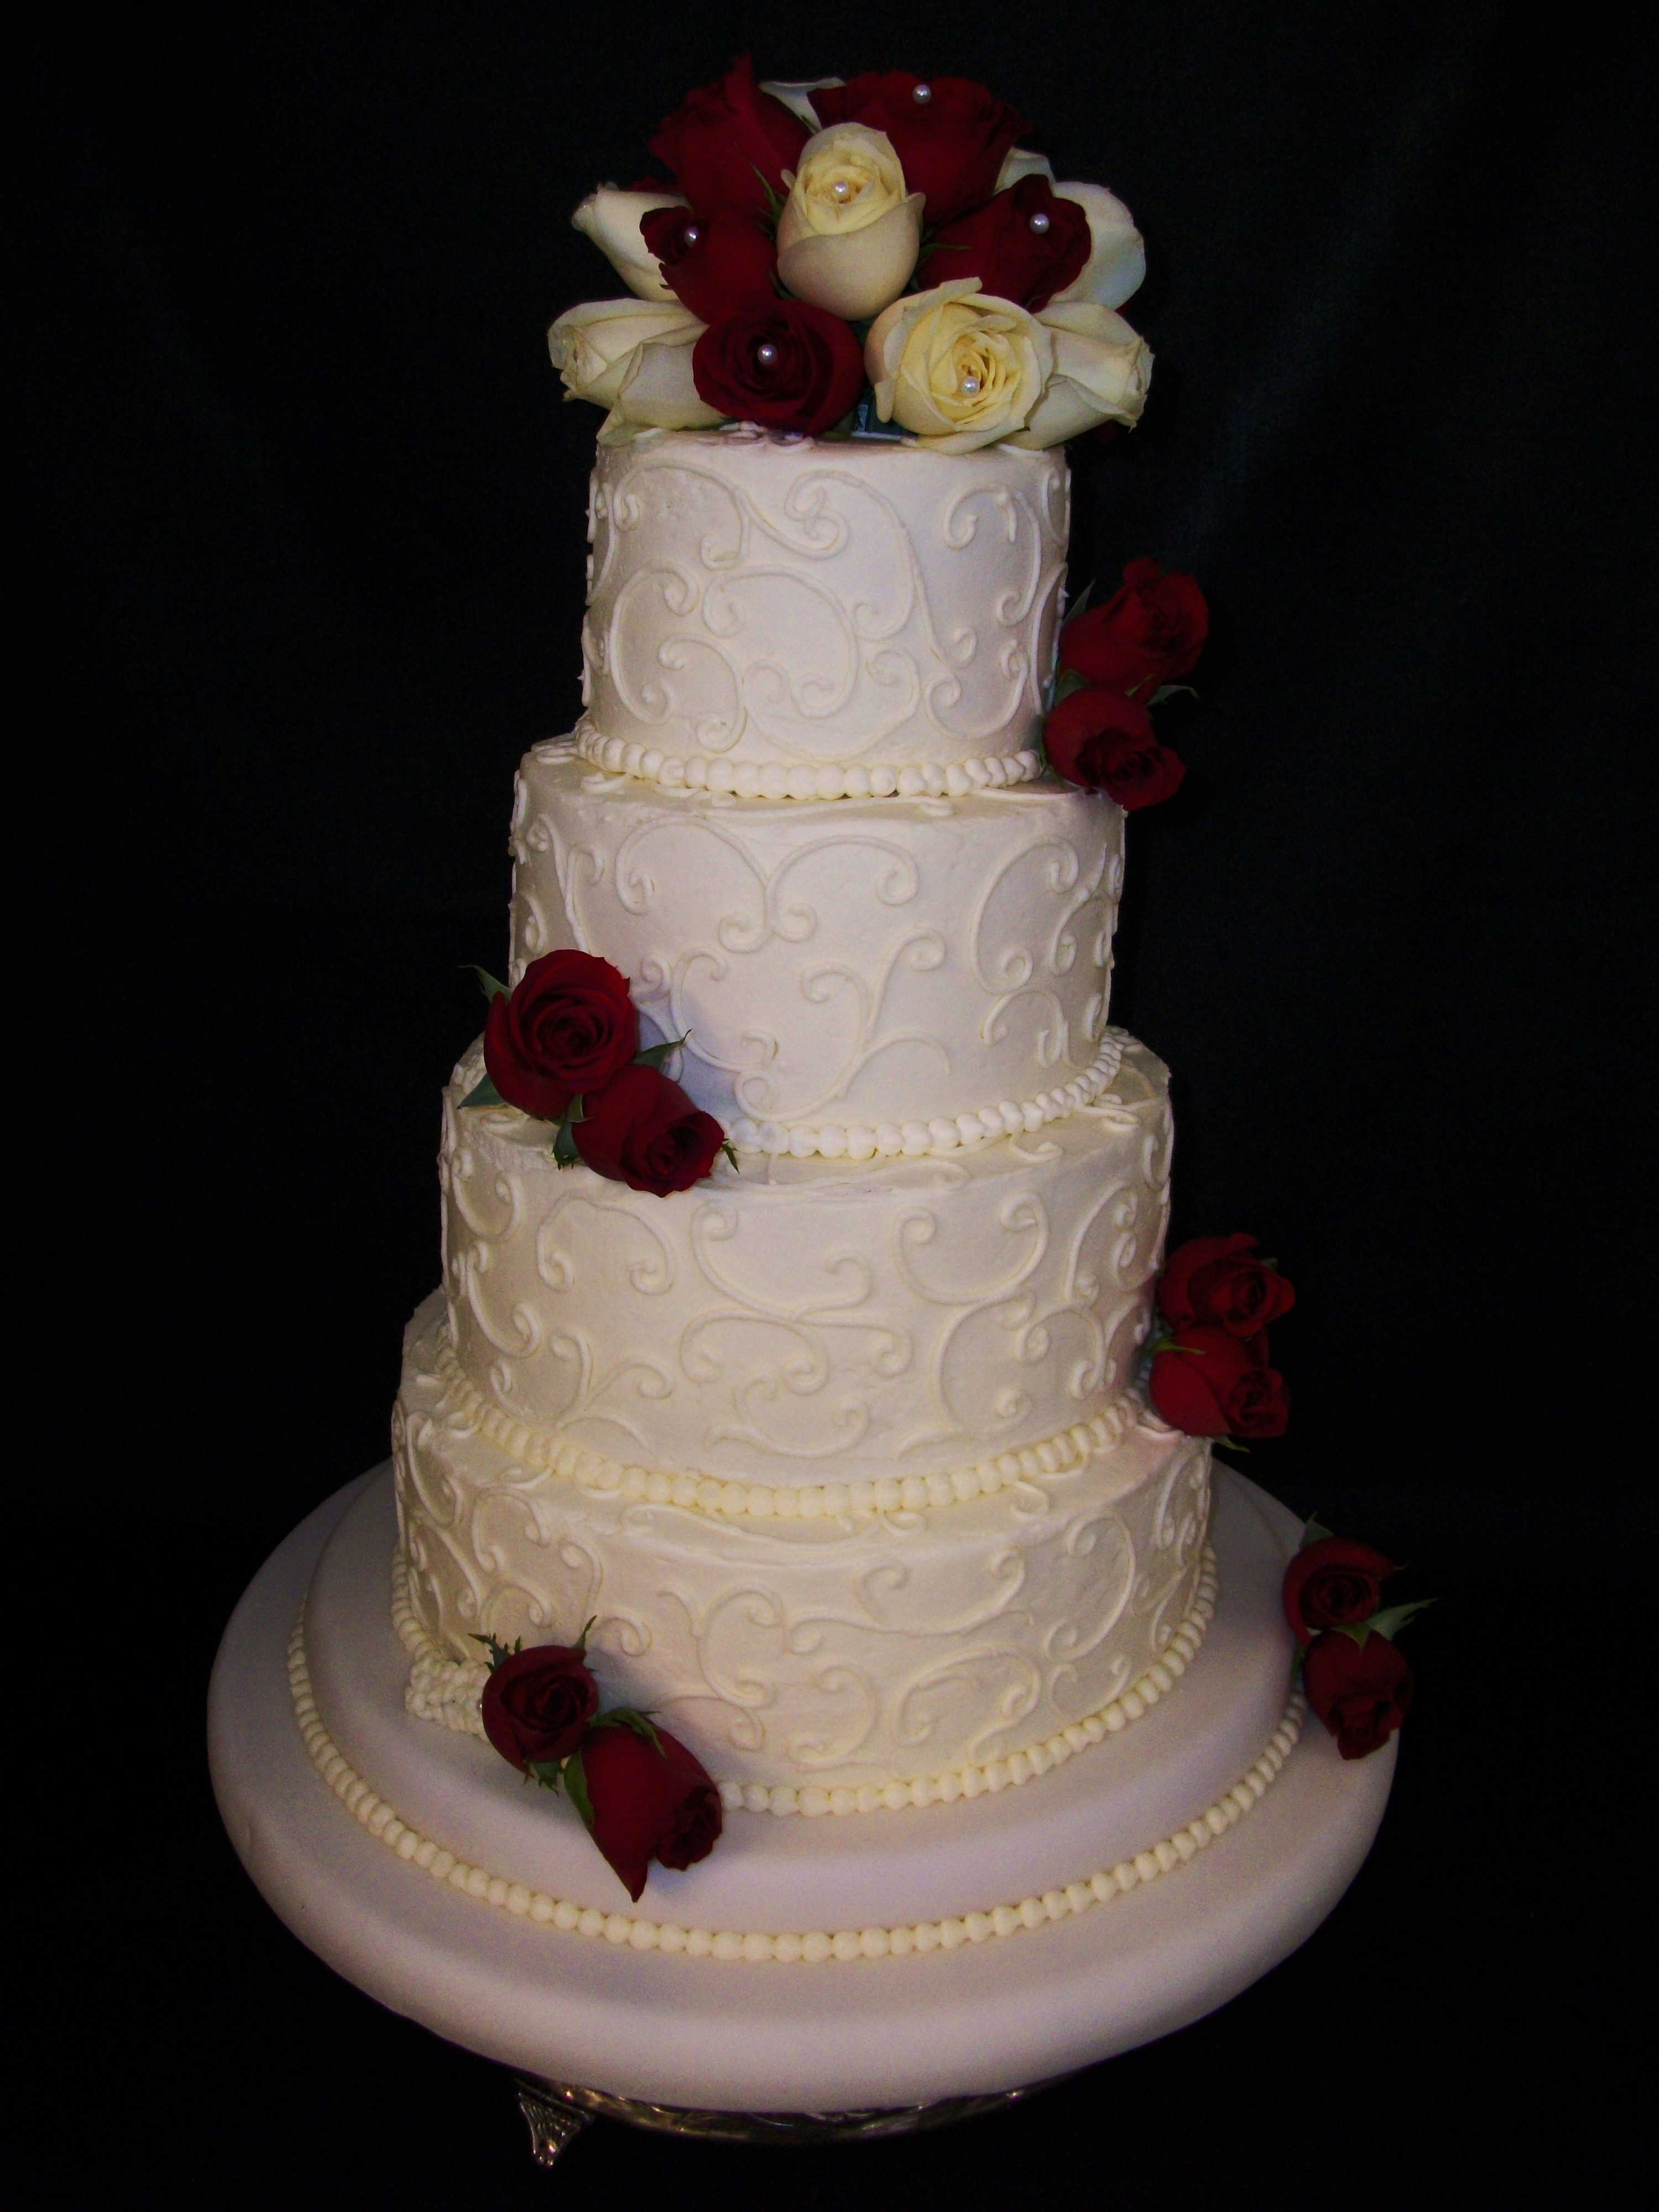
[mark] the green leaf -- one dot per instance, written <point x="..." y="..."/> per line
<point x="630" y="1717"/>
<point x="493" y="988"/>
<point x="1167" y="691"/>
<point x="1080" y="604"/>
<point x="1313" y="1534"/>
<point x="545" y="1771"/>
<point x="575" y="1781"/>
<point x="499" y="1653"/>
<point x="483" y="1093"/>
<point x="1068" y="681"/>
<point x="654" y="1054"/>
<point x="1393" y="1618"/>
<point x="1229" y="1444"/>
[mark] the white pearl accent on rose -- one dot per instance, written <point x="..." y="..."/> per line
<point x="1039" y="223"/>
<point x="692" y="233"/>
<point x="768" y="353"/>
<point x="970" y="385"/>
<point x="922" y="94"/>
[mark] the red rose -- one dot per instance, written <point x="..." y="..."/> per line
<point x="718" y="264"/>
<point x="1024" y="245"/>
<point x="1212" y="1383"/>
<point x="1333" y="1583"/>
<point x="1150" y="631"/>
<point x="1104" y="742"/>
<point x="1214" y="1278"/>
<point x="643" y="1130"/>
<point x="727" y="138"/>
<point x="568" y="1027"/>
<point x="537" y="1703"/>
<point x="792" y="366"/>
<point x="1362" y="1692"/>
<point x="649" y="1801"/>
<point x="950" y="133"/>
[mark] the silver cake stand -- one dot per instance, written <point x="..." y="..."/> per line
<point x="763" y="2053"/>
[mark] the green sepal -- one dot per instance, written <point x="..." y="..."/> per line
<point x="580" y="1643"/>
<point x="493" y="987"/>
<point x="575" y="1782"/>
<point x="1393" y="1618"/>
<point x="774" y="204"/>
<point x="546" y="1772"/>
<point x="564" y="1142"/>
<point x="1167" y="691"/>
<point x="1080" y="604"/>
<point x="1313" y="1534"/>
<point x="630" y="1717"/>
<point x="1229" y="1444"/>
<point x="483" y="1093"/>
<point x="499" y="1653"/>
<point x="727" y="1148"/>
<point x="1067" y="681"/>
<point x="654" y="1054"/>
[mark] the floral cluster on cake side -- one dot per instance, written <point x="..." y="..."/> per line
<point x="880" y="252"/>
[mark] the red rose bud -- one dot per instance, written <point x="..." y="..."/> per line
<point x="1024" y="245"/>
<point x="717" y="263"/>
<point x="537" y="1703"/>
<point x="950" y="133"/>
<point x="647" y="1803"/>
<point x="1150" y="631"/>
<point x="785" y="364"/>
<point x="1103" y="742"/>
<point x="643" y="1130"/>
<point x="1211" y="1383"/>
<point x="568" y="1027"/>
<point x="1214" y="1278"/>
<point x="1362" y="1692"/>
<point x="728" y="142"/>
<point x="1333" y="1583"/>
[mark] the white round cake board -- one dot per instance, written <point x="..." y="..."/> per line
<point x="732" y="2035"/>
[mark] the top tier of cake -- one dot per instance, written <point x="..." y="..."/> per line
<point x="782" y="618"/>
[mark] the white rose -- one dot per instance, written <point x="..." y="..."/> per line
<point x="797" y="96"/>
<point x="633" y="356"/>
<point x="1117" y="259"/>
<point x="1020" y="161"/>
<point x="957" y="367"/>
<point x="849" y="233"/>
<point x="612" y="220"/>
<point x="1101" y="371"/>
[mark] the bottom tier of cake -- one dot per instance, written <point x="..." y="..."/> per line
<point x="874" y="1658"/>
<point x="951" y="1950"/>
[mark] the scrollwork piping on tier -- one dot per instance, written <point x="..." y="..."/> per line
<point x="817" y="1947"/>
<point x="915" y="1139"/>
<point x="776" y="780"/>
<point x="549" y="1452"/>
<point x="449" y="1691"/>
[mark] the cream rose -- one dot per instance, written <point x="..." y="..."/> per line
<point x="797" y="96"/>
<point x="1117" y="259"/>
<point x="1101" y="371"/>
<point x="849" y="233"/>
<point x="1020" y="161"/>
<point x="957" y="367"/>
<point x="633" y="356"/>
<point x="612" y="220"/>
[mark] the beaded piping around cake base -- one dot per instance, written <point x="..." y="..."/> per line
<point x="816" y="1946"/>
<point x="535" y="1446"/>
<point x="449" y="1690"/>
<point x="800" y="780"/>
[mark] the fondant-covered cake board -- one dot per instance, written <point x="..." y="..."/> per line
<point x="781" y="2036"/>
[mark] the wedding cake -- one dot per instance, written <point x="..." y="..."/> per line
<point x="803" y="1471"/>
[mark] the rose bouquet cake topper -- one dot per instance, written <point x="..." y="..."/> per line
<point x="880" y="253"/>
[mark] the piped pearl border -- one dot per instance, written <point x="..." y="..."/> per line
<point x="798" y="780"/>
<point x="962" y="1133"/>
<point x="725" y="1500"/>
<point x="448" y="1691"/>
<point x="818" y="1946"/>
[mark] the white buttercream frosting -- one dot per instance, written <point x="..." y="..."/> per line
<point x="774" y="604"/>
<point x="876" y="978"/>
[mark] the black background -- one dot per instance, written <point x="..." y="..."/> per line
<point x="304" y="556"/>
